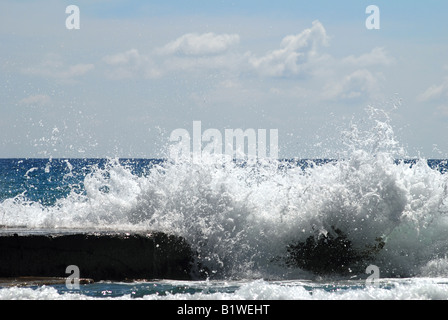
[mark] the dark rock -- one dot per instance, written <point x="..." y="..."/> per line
<point x="330" y="254"/>
<point x="98" y="255"/>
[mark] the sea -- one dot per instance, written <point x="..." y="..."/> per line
<point x="245" y="218"/>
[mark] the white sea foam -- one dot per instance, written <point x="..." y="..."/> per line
<point x="241" y="218"/>
<point x="389" y="289"/>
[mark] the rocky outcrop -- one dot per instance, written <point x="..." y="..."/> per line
<point x="333" y="253"/>
<point x="99" y="255"/>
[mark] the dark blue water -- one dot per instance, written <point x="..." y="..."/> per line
<point x="46" y="180"/>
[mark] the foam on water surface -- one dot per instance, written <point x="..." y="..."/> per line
<point x="387" y="289"/>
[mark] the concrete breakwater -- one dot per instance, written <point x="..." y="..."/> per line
<point x="99" y="255"/>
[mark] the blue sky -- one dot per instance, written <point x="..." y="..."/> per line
<point x="136" y="70"/>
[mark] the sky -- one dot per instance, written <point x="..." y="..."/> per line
<point x="135" y="71"/>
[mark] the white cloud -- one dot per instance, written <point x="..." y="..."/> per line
<point x="54" y="67"/>
<point x="352" y="77"/>
<point x="200" y="44"/>
<point x="38" y="99"/>
<point x="190" y="52"/>
<point x="123" y="58"/>
<point x="378" y="56"/>
<point x="75" y="70"/>
<point x="130" y="64"/>
<point x="356" y="84"/>
<point x="330" y="78"/>
<point x="442" y="111"/>
<point x="296" y="52"/>
<point x="435" y="92"/>
<point x="223" y="63"/>
<point x="437" y="95"/>
<point x="299" y="55"/>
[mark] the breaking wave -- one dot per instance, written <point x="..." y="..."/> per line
<point x="241" y="218"/>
